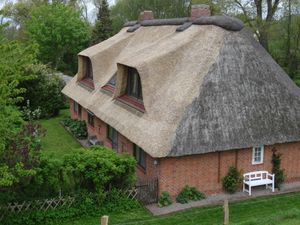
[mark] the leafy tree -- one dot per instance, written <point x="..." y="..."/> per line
<point x="60" y="34"/>
<point x="103" y="25"/>
<point x="43" y="93"/>
<point x="126" y="10"/>
<point x="257" y="14"/>
<point x="16" y="64"/>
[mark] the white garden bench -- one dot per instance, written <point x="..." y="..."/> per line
<point x="258" y="178"/>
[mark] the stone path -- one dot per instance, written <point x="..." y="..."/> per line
<point x="219" y="199"/>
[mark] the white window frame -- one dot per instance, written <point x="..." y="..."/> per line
<point x="261" y="157"/>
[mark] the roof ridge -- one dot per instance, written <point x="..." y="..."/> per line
<point x="226" y="22"/>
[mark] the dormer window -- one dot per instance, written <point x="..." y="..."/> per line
<point x="129" y="87"/>
<point x="134" y="86"/>
<point x="87" y="68"/>
<point x="86" y="72"/>
<point x="111" y="85"/>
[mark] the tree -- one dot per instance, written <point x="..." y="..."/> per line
<point x="60" y="34"/>
<point x="103" y="25"/>
<point x="258" y="14"/>
<point x="17" y="61"/>
<point x="43" y="93"/>
<point x="126" y="10"/>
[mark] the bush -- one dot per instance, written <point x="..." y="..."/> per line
<point x="232" y="180"/>
<point x="189" y="193"/>
<point x="96" y="170"/>
<point x="77" y="127"/>
<point x="276" y="168"/>
<point x="44" y="92"/>
<point x="92" y="204"/>
<point x="67" y="122"/>
<point x="99" y="168"/>
<point x="164" y="199"/>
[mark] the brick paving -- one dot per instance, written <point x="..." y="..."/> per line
<point x="218" y="199"/>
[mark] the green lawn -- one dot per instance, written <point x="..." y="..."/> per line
<point x="279" y="210"/>
<point x="57" y="141"/>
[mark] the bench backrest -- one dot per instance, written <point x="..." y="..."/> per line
<point x="257" y="175"/>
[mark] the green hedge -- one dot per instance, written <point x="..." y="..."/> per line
<point x="95" y="170"/>
<point x="86" y="204"/>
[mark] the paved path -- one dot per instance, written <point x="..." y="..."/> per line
<point x="219" y="199"/>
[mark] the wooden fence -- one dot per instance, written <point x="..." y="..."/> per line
<point x="49" y="204"/>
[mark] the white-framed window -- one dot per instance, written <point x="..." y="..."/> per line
<point x="257" y="155"/>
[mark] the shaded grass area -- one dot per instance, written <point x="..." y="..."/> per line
<point x="279" y="210"/>
<point x="57" y="141"/>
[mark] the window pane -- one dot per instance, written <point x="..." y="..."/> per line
<point x="87" y="67"/>
<point x="113" y="80"/>
<point x="257" y="154"/>
<point x="109" y="132"/>
<point x="91" y="119"/>
<point x="143" y="159"/>
<point x="134" y="87"/>
<point x="75" y="105"/>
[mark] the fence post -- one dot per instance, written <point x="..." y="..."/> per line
<point x="226" y="212"/>
<point x="104" y="220"/>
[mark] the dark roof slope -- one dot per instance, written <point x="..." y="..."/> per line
<point x="246" y="99"/>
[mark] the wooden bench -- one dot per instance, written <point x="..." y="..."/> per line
<point x="258" y="178"/>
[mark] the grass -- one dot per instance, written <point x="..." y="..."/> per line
<point x="57" y="141"/>
<point x="279" y="210"/>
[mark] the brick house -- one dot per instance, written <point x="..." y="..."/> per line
<point x="188" y="97"/>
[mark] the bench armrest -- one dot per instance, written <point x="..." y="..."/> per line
<point x="272" y="176"/>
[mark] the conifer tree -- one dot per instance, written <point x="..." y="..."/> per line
<point x="103" y="25"/>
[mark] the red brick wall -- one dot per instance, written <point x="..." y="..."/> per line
<point x="203" y="171"/>
<point x="207" y="170"/>
<point x="124" y="145"/>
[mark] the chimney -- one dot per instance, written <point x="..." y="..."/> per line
<point x="200" y="10"/>
<point x="146" y="15"/>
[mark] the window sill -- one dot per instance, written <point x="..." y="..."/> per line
<point x="87" y="82"/>
<point x="132" y="102"/>
<point x="108" y="88"/>
<point x="257" y="163"/>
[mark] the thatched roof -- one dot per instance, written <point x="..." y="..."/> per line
<point x="205" y="89"/>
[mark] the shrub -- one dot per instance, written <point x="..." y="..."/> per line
<point x="77" y="127"/>
<point x="189" y="193"/>
<point x="67" y="121"/>
<point x="44" y="93"/>
<point x="97" y="168"/>
<point x="164" y="199"/>
<point x="276" y="168"/>
<point x="94" y="170"/>
<point x="92" y="204"/>
<point x="232" y="180"/>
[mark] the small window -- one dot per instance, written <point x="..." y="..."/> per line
<point x="75" y="107"/>
<point x="110" y="132"/>
<point x="112" y="135"/>
<point x="258" y="155"/>
<point x="87" y="68"/>
<point x="91" y="119"/>
<point x="113" y="80"/>
<point x="134" y="86"/>
<point x="79" y="111"/>
<point x="140" y="156"/>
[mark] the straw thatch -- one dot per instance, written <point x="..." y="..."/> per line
<point x="204" y="89"/>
